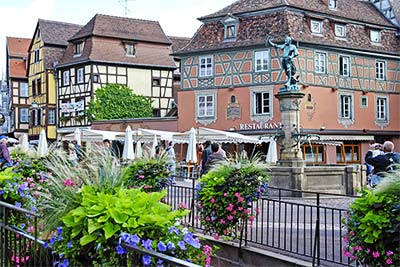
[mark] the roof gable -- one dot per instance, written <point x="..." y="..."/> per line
<point x="123" y="28"/>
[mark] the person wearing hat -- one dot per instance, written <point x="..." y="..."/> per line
<point x="4" y="153"/>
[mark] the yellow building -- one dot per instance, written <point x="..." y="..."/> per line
<point x="46" y="49"/>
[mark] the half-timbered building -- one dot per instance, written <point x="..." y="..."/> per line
<point x="46" y="49"/>
<point x="111" y="49"/>
<point x="348" y="67"/>
<point x="17" y="83"/>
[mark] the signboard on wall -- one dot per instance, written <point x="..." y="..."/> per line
<point x="71" y="107"/>
<point x="260" y="126"/>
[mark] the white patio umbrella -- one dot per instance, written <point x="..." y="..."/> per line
<point x="25" y="142"/>
<point x="77" y="136"/>
<point x="272" y="156"/>
<point x="128" y="152"/>
<point x="191" y="154"/>
<point x="154" y="146"/>
<point x="139" y="151"/>
<point x="42" y="148"/>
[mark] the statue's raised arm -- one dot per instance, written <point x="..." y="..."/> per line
<point x="270" y="43"/>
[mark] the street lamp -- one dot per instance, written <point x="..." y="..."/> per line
<point x="34" y="104"/>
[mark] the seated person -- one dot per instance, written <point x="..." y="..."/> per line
<point x="213" y="158"/>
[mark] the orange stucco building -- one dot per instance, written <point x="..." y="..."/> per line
<point x="348" y="68"/>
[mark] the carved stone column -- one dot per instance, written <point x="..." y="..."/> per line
<point x="290" y="152"/>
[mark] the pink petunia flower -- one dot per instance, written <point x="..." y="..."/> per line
<point x="389" y="253"/>
<point x="216" y="237"/>
<point x="212" y="200"/>
<point x="69" y="182"/>
<point x="375" y="254"/>
<point x="230" y="217"/>
<point x="230" y="207"/>
<point x="389" y="261"/>
<point x="357" y="248"/>
<point x="225" y="194"/>
<point x="347" y="253"/>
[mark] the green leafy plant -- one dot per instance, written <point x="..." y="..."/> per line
<point x="373" y="225"/>
<point x="225" y="194"/>
<point x="150" y="174"/>
<point x="115" y="101"/>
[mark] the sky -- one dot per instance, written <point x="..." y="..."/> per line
<point x="18" y="18"/>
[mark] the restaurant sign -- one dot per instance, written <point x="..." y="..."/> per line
<point x="260" y="126"/>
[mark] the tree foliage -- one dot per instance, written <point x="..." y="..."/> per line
<point x="115" y="101"/>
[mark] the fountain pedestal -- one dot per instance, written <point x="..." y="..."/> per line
<point x="290" y="152"/>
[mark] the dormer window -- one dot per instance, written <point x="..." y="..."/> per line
<point x="375" y="36"/>
<point x="130" y="49"/>
<point x="78" y="48"/>
<point x="231" y="27"/>
<point x="340" y="30"/>
<point x="332" y="4"/>
<point x="316" y="26"/>
<point x="230" y="31"/>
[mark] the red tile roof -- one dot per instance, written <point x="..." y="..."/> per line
<point x="17" y="68"/>
<point x="178" y="42"/>
<point x="56" y="32"/>
<point x="18" y="47"/>
<point x="109" y="50"/>
<point x="254" y="28"/>
<point x="105" y="38"/>
<point x="123" y="28"/>
<point x="359" y="10"/>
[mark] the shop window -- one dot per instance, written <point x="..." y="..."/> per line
<point x="313" y="153"/>
<point x="348" y="153"/>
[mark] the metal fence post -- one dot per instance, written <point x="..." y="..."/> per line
<point x="317" y="245"/>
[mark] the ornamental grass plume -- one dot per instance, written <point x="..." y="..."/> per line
<point x="97" y="168"/>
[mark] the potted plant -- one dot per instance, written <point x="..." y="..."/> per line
<point x="149" y="173"/>
<point x="372" y="225"/>
<point x="225" y="194"/>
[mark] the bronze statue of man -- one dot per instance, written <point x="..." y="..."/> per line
<point x="289" y="53"/>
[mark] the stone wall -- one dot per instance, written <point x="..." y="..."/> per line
<point x="337" y="179"/>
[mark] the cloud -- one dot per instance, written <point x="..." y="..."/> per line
<point x="21" y="22"/>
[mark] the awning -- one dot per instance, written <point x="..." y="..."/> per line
<point x="346" y="138"/>
<point x="93" y="135"/>
<point x="204" y="134"/>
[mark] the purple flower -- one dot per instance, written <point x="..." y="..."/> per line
<point x="46" y="244"/>
<point x="147" y="244"/>
<point x="160" y="263"/>
<point x="69" y="244"/>
<point x="52" y="240"/>
<point x="64" y="263"/>
<point x="121" y="250"/>
<point x="18" y="204"/>
<point x="188" y="238"/>
<point x="173" y="229"/>
<point x="22" y="225"/>
<point x="146" y="260"/>
<point x="161" y="246"/>
<point x="170" y="246"/>
<point x="59" y="230"/>
<point x="1" y="191"/>
<point x="181" y="244"/>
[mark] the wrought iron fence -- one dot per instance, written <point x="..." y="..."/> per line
<point x="21" y="249"/>
<point x="17" y="247"/>
<point x="304" y="223"/>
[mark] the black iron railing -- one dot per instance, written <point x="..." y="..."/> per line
<point x="304" y="223"/>
<point x="17" y="247"/>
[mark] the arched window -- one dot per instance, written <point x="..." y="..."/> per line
<point x="233" y="99"/>
<point x="309" y="97"/>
